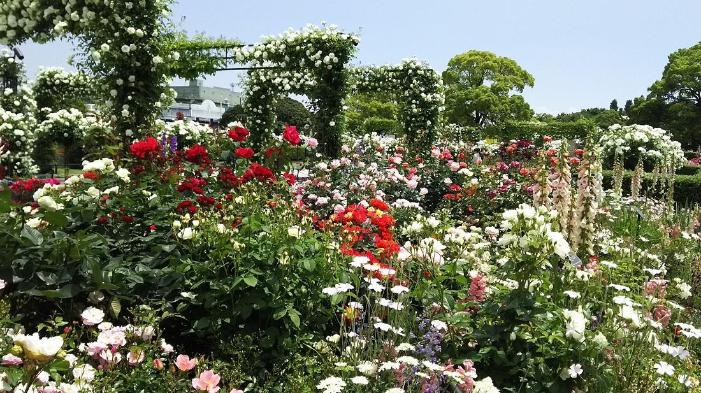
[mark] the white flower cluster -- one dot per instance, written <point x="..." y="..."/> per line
<point x="187" y="132"/>
<point x="652" y="143"/>
<point x="53" y="82"/>
<point x="530" y="230"/>
<point x="17" y="130"/>
<point x="66" y="125"/>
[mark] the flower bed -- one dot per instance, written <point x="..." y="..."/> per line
<point x="211" y="265"/>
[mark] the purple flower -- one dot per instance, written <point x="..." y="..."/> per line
<point x="173" y="143"/>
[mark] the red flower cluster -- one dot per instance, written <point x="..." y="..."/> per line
<point x="244" y="152"/>
<point x="291" y="179"/>
<point x="291" y="135"/>
<point x="147" y="148"/>
<point x="238" y="134"/>
<point x="197" y="154"/>
<point x="192" y="184"/>
<point x="28" y="185"/>
<point x="258" y="172"/>
<point x="186" y="206"/>
<point x="368" y="232"/>
<point x="228" y="177"/>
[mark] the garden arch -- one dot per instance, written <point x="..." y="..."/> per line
<point x="124" y="45"/>
<point x="416" y="87"/>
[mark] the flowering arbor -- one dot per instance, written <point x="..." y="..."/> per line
<point x="417" y="88"/>
<point x="125" y="46"/>
<point x="131" y="50"/>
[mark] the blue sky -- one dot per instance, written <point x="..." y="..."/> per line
<point x="582" y="53"/>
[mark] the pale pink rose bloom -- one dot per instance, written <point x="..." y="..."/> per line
<point x="236" y="391"/>
<point x="207" y="381"/>
<point x="312" y="143"/>
<point x="94" y="349"/>
<point x="112" y="337"/>
<point x="165" y="347"/>
<point x="109" y="357"/>
<point x="184" y="363"/>
<point x="11" y="360"/>
<point x="135" y="357"/>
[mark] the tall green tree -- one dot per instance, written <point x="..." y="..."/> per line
<point x="481" y="89"/>
<point x="674" y="101"/>
<point x="626" y="108"/>
<point x="614" y="105"/>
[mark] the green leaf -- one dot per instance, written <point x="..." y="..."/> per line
<point x="250" y="281"/>
<point x="5" y="200"/>
<point x="65" y="292"/>
<point x="115" y="307"/>
<point x="56" y="219"/>
<point x="280" y="314"/>
<point x="309" y="264"/>
<point x="32" y="235"/>
<point x="294" y="317"/>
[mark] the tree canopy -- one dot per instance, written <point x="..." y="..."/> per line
<point x="481" y="89"/>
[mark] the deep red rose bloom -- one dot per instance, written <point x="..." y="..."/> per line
<point x="238" y="134"/>
<point x="244" y="152"/>
<point x="197" y="154"/>
<point x="291" y="179"/>
<point x="291" y="135"/>
<point x="378" y="204"/>
<point x="144" y="149"/>
<point x="258" y="172"/>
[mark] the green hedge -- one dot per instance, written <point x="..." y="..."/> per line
<point x="687" y="188"/>
<point x="689" y="170"/>
<point x="579" y="129"/>
<point x="381" y="125"/>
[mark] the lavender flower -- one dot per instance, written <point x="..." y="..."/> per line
<point x="173" y="143"/>
<point x="430" y="345"/>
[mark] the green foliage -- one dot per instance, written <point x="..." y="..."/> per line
<point x="674" y="102"/>
<point x="579" y="129"/>
<point x="380" y="125"/>
<point x="603" y="118"/>
<point x="687" y="187"/>
<point x="378" y="110"/>
<point x="480" y="89"/>
<point x="614" y="105"/>
<point x="292" y="112"/>
<point x="232" y="114"/>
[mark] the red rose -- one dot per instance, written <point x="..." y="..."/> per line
<point x="144" y="149"/>
<point x="197" y="154"/>
<point x="238" y="134"/>
<point x="291" y="179"/>
<point x="291" y="135"/>
<point x="244" y="152"/>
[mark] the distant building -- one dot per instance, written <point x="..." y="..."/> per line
<point x="201" y="104"/>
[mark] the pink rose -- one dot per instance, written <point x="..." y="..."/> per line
<point x="184" y="363"/>
<point x="11" y="360"/>
<point x="207" y="381"/>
